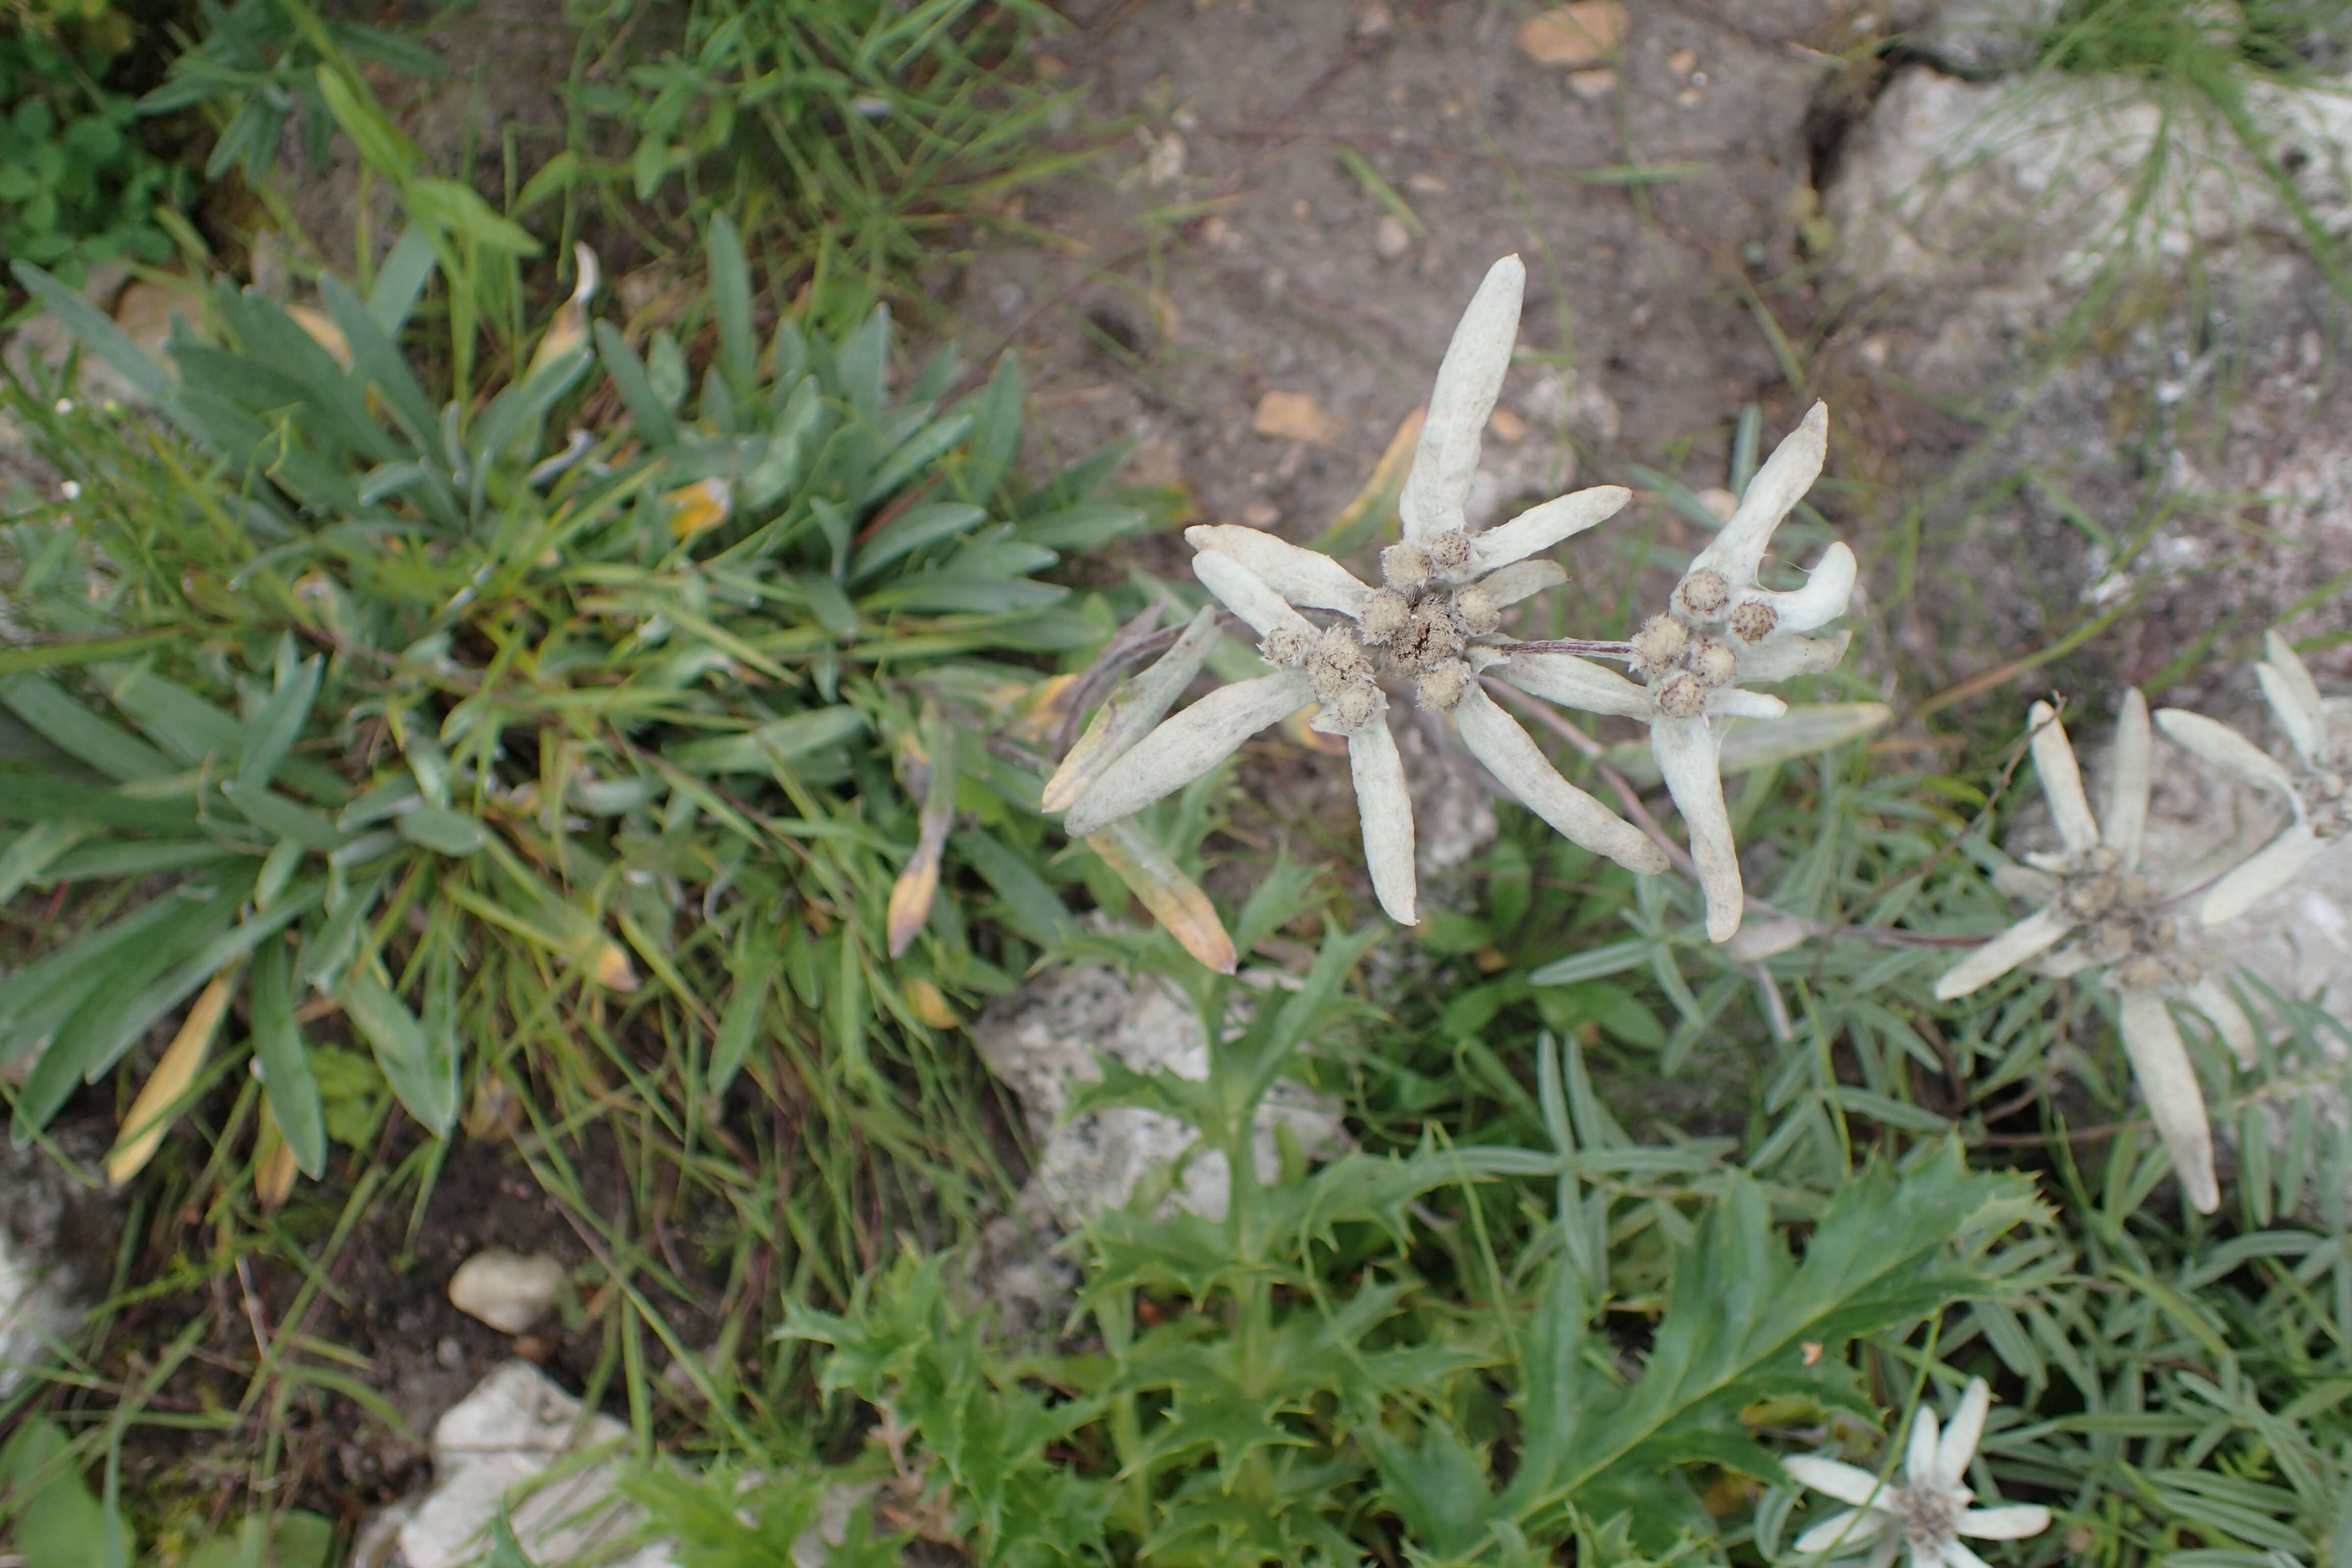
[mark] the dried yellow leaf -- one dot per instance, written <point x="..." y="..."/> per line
<point x="1043" y="708"/>
<point x="929" y="1006"/>
<point x="911" y="894"/>
<point x="152" y="1113"/>
<point x="324" y="332"/>
<point x="1174" y="900"/>
<point x="569" y="328"/>
<point x="494" y="1114"/>
<point x="699" y="507"/>
<point x="1299" y="729"/>
<point x="274" y="1169"/>
<point x="614" y="971"/>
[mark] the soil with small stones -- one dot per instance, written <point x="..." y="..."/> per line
<point x="385" y="1302"/>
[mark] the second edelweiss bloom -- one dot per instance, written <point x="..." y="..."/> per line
<point x="2111" y="918"/>
<point x="1928" y="1512"/>
<point x="1445" y="593"/>
<point x="1719" y="632"/>
<point x="2319" y="793"/>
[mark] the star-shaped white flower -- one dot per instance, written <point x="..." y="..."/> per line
<point x="1445" y="594"/>
<point x="2092" y="891"/>
<point x="2319" y="792"/>
<point x="1928" y="1512"/>
<point x="1719" y="632"/>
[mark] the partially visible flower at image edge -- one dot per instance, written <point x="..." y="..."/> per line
<point x="1720" y="631"/>
<point x="2319" y="794"/>
<point x="2110" y="917"/>
<point x="1443" y="599"/>
<point x="1928" y="1512"/>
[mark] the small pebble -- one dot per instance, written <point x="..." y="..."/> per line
<point x="451" y="1355"/>
<point x="505" y="1290"/>
<point x="1593" y="84"/>
<point x="1258" y="514"/>
<point x="1390" y="238"/>
<point x="1681" y="62"/>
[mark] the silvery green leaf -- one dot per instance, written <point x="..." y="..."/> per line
<point x="1574" y="682"/>
<point x="1496" y="739"/>
<point x="2211" y="997"/>
<point x="2228" y="751"/>
<point x="1307" y="578"/>
<point x="2036" y="934"/>
<point x="1824" y="596"/>
<point x="1521" y="579"/>
<point x="1246" y="594"/>
<point x="1130" y="711"/>
<point x="1186" y="746"/>
<point x="2168" y="1085"/>
<point x="1743" y="746"/>
<point x="1685" y="753"/>
<point x="2289" y="686"/>
<point x="1468" y="382"/>
<point x="1775" y="491"/>
<point x="1731" y="702"/>
<point x="1385" y="807"/>
<point x="2062" y="781"/>
<point x="2127" y="786"/>
<point x="1540" y="528"/>
<point x="2274" y="866"/>
<point x="1784" y="656"/>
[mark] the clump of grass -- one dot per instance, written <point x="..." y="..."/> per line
<point x="850" y="138"/>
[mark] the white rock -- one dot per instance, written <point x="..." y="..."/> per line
<point x="506" y="1290"/>
<point x="1975" y="36"/>
<point x="495" y="1447"/>
<point x="1050" y="1038"/>
<point x="488" y="1450"/>
<point x="42" y="1222"/>
<point x="2025" y="187"/>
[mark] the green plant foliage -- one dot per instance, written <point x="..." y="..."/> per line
<point x="77" y="186"/>
<point x="257" y="63"/>
<point x="1287" y="1381"/>
<point x="845" y="134"/>
<point x="403" y="707"/>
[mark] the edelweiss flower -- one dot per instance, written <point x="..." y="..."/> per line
<point x="2320" y="795"/>
<point x="1719" y="631"/>
<point x="1445" y="591"/>
<point x="2092" y="891"/>
<point x="1929" y="1511"/>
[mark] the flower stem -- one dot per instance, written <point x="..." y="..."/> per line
<point x="1586" y="647"/>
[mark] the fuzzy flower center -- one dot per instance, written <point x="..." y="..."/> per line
<point x="1680" y="664"/>
<point x="2326" y="795"/>
<point x="1337" y="670"/>
<point x="1931" y="1515"/>
<point x="2123" y="927"/>
<point x="1421" y="624"/>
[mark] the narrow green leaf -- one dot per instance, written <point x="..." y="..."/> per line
<point x="74" y="730"/>
<point x="100" y="336"/>
<point x="646" y="411"/>
<point x="286" y="1075"/>
<point x="445" y="832"/>
<point x="273" y="732"/>
<point x="423" y="1071"/>
<point x="730" y="293"/>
